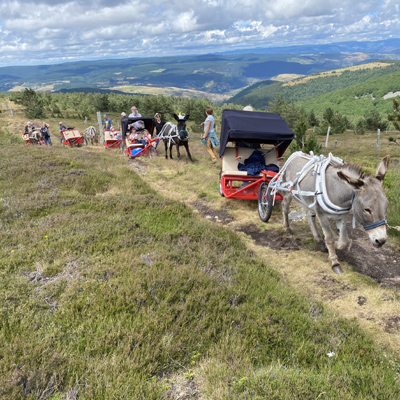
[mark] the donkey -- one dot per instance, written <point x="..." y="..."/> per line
<point x="91" y="135"/>
<point x="175" y="135"/>
<point x="346" y="188"/>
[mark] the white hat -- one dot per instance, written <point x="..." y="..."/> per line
<point x="60" y="123"/>
<point x="248" y="108"/>
<point x="123" y="114"/>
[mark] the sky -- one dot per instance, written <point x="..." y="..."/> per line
<point x="57" y="31"/>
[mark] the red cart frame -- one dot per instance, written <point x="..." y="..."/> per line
<point x="251" y="131"/>
<point x="109" y="140"/>
<point x="71" y="136"/>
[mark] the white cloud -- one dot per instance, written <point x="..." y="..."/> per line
<point x="45" y="30"/>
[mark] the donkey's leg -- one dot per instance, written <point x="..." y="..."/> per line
<point x="166" y="149"/>
<point x="329" y="242"/>
<point x="287" y="199"/>
<point x="186" y="144"/>
<point x="344" y="242"/>
<point x="313" y="225"/>
<point x="178" y="154"/>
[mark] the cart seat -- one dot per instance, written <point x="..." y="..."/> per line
<point x="108" y="136"/>
<point x="234" y="155"/>
<point x="71" y="134"/>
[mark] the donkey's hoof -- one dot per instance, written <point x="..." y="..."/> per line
<point x="336" y="269"/>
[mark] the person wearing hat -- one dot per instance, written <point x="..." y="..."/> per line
<point x="61" y="127"/>
<point x="123" y="115"/>
<point x="107" y="122"/>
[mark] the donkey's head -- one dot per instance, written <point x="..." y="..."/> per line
<point x="181" y="126"/>
<point x="370" y="202"/>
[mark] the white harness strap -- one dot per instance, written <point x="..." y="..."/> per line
<point x="320" y="183"/>
<point x="169" y="136"/>
<point x="317" y="165"/>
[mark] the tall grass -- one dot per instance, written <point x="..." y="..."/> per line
<point x="110" y="291"/>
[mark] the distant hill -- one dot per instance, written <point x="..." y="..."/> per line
<point x="352" y="90"/>
<point x="212" y="73"/>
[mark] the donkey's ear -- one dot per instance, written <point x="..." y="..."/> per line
<point x="176" y="117"/>
<point x="356" y="183"/>
<point x="382" y="168"/>
<point x="187" y="117"/>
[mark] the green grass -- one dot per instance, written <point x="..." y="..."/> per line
<point x="113" y="292"/>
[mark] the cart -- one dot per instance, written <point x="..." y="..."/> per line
<point x="252" y="135"/>
<point x="138" y="147"/>
<point x="71" y="137"/>
<point x="32" y="138"/>
<point x="110" y="141"/>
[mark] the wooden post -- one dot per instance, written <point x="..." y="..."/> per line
<point x="377" y="139"/>
<point x="12" y="112"/>
<point x="85" y="120"/>
<point x="335" y="143"/>
<point x="100" y="122"/>
<point x="327" y="136"/>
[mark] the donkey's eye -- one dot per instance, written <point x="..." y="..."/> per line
<point x="368" y="211"/>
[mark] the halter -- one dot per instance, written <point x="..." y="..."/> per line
<point x="375" y="225"/>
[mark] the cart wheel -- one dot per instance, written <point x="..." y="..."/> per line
<point x="85" y="143"/>
<point x="220" y="186"/>
<point x="264" y="202"/>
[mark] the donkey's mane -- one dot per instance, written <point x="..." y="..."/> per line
<point x="352" y="169"/>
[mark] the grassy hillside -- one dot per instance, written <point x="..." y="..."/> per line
<point x="109" y="290"/>
<point x="349" y="90"/>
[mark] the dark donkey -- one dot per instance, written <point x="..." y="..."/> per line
<point x="175" y="135"/>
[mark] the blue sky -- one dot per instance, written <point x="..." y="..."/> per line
<point x="55" y="31"/>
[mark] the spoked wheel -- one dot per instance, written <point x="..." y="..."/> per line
<point x="85" y="142"/>
<point x="220" y="185"/>
<point x="264" y="202"/>
<point x="152" y="152"/>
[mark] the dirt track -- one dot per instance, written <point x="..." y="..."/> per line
<point x="382" y="265"/>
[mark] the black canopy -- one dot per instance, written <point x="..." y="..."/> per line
<point x="125" y="122"/>
<point x="254" y="128"/>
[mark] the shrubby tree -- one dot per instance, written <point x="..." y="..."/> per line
<point x="301" y="141"/>
<point x="394" y="118"/>
<point x="33" y="103"/>
<point x="360" y="127"/>
<point x="373" y="121"/>
<point x="338" y="123"/>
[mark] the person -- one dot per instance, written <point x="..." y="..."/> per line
<point x="210" y="139"/>
<point x="134" y="113"/>
<point x="158" y="124"/>
<point x="117" y="135"/>
<point x="133" y="136"/>
<point x="44" y="131"/>
<point x="107" y="122"/>
<point x="61" y="127"/>
<point x="29" y="128"/>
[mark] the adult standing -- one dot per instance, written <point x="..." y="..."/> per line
<point x="134" y="113"/>
<point x="61" y="127"/>
<point x="29" y="128"/>
<point x="107" y="122"/>
<point x="210" y="139"/>
<point x="44" y="130"/>
<point x="158" y="124"/>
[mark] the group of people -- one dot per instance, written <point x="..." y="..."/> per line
<point x="42" y="135"/>
<point x="209" y="137"/>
